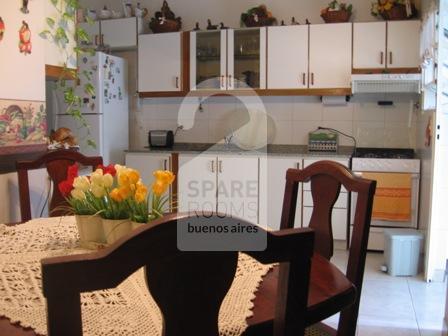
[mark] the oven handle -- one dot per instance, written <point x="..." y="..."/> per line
<point x="414" y="176"/>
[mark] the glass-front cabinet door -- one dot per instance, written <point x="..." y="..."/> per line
<point x="246" y="58"/>
<point x="208" y="53"/>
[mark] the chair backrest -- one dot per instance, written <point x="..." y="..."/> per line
<point x="326" y="178"/>
<point x="188" y="287"/>
<point x="56" y="163"/>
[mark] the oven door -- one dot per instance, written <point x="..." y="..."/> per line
<point x="396" y="224"/>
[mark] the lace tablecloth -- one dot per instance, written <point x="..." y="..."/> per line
<point x="125" y="310"/>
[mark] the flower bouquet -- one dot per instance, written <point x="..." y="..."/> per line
<point x="85" y="203"/>
<point x="336" y="12"/>
<point x="393" y="9"/>
<point x="117" y="197"/>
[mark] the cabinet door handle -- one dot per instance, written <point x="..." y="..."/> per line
<point x="381" y="57"/>
<point x="212" y="165"/>
<point x="312" y="78"/>
<point x="96" y="40"/>
<point x="303" y="78"/>
<point x="222" y="82"/>
<point x="177" y="82"/>
<point x="229" y="85"/>
<point x="165" y="164"/>
<point x="390" y="57"/>
<point x="220" y="166"/>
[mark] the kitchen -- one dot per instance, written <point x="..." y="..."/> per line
<point x="380" y="120"/>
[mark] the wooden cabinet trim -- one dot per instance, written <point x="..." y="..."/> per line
<point x="54" y="72"/>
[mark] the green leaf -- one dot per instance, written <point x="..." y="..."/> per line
<point x="81" y="35"/>
<point x="50" y="22"/>
<point x="68" y="16"/>
<point x="89" y="89"/>
<point x="54" y="2"/>
<point x="45" y="34"/>
<point x="91" y="143"/>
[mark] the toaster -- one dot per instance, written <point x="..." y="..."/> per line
<point x="161" y="138"/>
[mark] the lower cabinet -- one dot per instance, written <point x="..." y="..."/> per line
<point x="248" y="187"/>
<point x="272" y="189"/>
<point x="226" y="184"/>
<point x="146" y="164"/>
<point x="339" y="215"/>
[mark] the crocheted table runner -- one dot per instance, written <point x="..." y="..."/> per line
<point x="126" y="310"/>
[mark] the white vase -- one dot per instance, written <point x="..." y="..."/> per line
<point x="114" y="229"/>
<point x="90" y="230"/>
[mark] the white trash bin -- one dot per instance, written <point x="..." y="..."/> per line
<point x="402" y="251"/>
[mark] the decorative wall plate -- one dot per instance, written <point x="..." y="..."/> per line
<point x="25" y="39"/>
<point x="2" y="28"/>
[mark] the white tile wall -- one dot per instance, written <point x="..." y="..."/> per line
<point x="293" y="118"/>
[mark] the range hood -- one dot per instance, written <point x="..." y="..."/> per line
<point x="386" y="83"/>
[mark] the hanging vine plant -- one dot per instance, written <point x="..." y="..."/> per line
<point x="61" y="30"/>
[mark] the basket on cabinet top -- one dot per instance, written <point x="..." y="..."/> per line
<point x="336" y="16"/>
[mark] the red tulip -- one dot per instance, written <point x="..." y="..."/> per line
<point x="65" y="187"/>
<point x="110" y="169"/>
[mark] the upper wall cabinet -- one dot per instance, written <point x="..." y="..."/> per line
<point x="160" y="62"/>
<point x="330" y="56"/>
<point x="228" y="59"/>
<point x="403" y="44"/>
<point x="392" y="44"/>
<point x="121" y="33"/>
<point x="117" y="33"/>
<point x="369" y="45"/>
<point x="246" y="59"/>
<point x="208" y="60"/>
<point x="288" y="57"/>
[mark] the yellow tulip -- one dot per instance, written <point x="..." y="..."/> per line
<point x="133" y="176"/>
<point x="164" y="176"/>
<point x="78" y="194"/>
<point x="81" y="183"/>
<point x="159" y="188"/>
<point x="98" y="190"/>
<point x="97" y="177"/>
<point x="115" y="195"/>
<point x="108" y="180"/>
<point x="124" y="192"/>
<point x="140" y="196"/>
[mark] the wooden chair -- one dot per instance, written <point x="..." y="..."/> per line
<point x="56" y="163"/>
<point x="328" y="294"/>
<point x="188" y="287"/>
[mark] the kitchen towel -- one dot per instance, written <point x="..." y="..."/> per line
<point x="392" y="200"/>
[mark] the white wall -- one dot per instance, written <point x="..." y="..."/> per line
<point x="229" y="11"/>
<point x="22" y="76"/>
<point x="294" y="117"/>
<point x="55" y="54"/>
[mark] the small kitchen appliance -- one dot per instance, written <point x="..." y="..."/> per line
<point x="161" y="138"/>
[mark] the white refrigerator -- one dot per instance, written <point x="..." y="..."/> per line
<point x="106" y="111"/>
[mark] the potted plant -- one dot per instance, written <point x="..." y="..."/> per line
<point x="84" y="204"/>
<point x="113" y="200"/>
<point x="336" y="12"/>
<point x="393" y="9"/>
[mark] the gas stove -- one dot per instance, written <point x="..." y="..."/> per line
<point x="384" y="153"/>
<point x="385" y="160"/>
<point x="381" y="162"/>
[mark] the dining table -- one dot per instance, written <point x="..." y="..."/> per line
<point x="130" y="307"/>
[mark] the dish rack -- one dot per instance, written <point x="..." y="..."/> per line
<point x="322" y="141"/>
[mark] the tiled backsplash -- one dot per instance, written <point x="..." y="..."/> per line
<point x="294" y="117"/>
